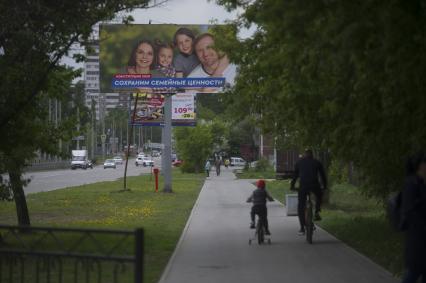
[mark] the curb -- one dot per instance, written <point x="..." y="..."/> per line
<point x="347" y="247"/>
<point x="168" y="267"/>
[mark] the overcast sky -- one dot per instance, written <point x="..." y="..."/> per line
<point x="180" y="12"/>
<point x="183" y="12"/>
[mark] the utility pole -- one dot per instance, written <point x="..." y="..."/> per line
<point x="163" y="138"/>
<point x="128" y="143"/>
<point x="139" y="138"/>
<point x="167" y="152"/>
<point x="114" y="145"/>
<point x="78" y="128"/>
<point x="60" y="118"/>
<point x="102" y="120"/>
<point x="93" y="146"/>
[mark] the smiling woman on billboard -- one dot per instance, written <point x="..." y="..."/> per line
<point x="142" y="58"/>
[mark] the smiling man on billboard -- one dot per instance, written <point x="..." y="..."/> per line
<point x="212" y="63"/>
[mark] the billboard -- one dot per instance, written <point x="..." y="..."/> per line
<point x="162" y="58"/>
<point x="183" y="109"/>
<point x="150" y="110"/>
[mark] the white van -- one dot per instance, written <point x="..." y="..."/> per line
<point x="237" y="161"/>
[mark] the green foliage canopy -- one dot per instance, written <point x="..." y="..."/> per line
<point x="342" y="75"/>
<point x="34" y="36"/>
<point x="194" y="146"/>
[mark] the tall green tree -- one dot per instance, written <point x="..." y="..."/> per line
<point x="342" y="75"/>
<point x="194" y="146"/>
<point x="32" y="131"/>
<point x="117" y="121"/>
<point x="34" y="36"/>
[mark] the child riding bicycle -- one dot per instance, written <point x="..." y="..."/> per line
<point x="259" y="198"/>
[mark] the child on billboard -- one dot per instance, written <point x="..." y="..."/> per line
<point x="165" y="59"/>
<point x="186" y="60"/>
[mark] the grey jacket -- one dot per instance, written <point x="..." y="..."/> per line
<point x="185" y="63"/>
<point x="259" y="197"/>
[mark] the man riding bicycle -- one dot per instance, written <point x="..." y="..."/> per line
<point x="308" y="169"/>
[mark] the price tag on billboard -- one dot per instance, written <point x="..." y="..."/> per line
<point x="183" y="107"/>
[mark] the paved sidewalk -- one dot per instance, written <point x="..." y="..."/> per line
<point x="214" y="246"/>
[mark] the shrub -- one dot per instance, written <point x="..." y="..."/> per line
<point x="262" y="165"/>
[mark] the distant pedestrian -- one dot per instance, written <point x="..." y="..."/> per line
<point x="227" y="163"/>
<point x="414" y="219"/>
<point x="207" y="167"/>
<point x="218" y="162"/>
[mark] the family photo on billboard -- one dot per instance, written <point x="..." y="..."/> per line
<point x="163" y="51"/>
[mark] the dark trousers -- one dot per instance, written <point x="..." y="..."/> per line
<point x="412" y="277"/>
<point x="262" y="212"/>
<point x="207" y="172"/>
<point x="302" y="195"/>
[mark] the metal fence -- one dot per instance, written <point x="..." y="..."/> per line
<point x="50" y="254"/>
<point x="39" y="165"/>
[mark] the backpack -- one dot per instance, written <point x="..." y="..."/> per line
<point x="394" y="208"/>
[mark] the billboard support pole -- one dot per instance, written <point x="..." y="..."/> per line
<point x="167" y="152"/>
<point x="128" y="143"/>
<point x="162" y="151"/>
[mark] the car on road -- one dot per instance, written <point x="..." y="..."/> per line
<point x="109" y="163"/>
<point x="155" y="153"/>
<point x="237" y="161"/>
<point x="80" y="160"/>
<point x="144" y="161"/>
<point x="118" y="160"/>
<point x="177" y="163"/>
<point x="141" y="155"/>
<point x="139" y="161"/>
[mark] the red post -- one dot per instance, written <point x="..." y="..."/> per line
<point x="156" y="171"/>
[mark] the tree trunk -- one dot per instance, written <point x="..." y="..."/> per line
<point x="20" y="200"/>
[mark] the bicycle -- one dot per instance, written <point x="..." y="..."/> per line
<point x="259" y="233"/>
<point x="309" y="219"/>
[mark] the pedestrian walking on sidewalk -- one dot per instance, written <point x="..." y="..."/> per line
<point x="218" y="163"/>
<point x="207" y="167"/>
<point x="414" y="219"/>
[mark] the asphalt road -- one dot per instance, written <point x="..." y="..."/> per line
<point x="214" y="245"/>
<point x="56" y="179"/>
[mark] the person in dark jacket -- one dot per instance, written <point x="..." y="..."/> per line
<point x="259" y="198"/>
<point x="309" y="170"/>
<point x="414" y="220"/>
<point x="217" y="164"/>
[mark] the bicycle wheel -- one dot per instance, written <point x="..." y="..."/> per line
<point x="309" y="222"/>
<point x="260" y="232"/>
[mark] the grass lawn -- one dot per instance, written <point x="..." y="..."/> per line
<point x="357" y="221"/>
<point x="251" y="173"/>
<point x="100" y="205"/>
